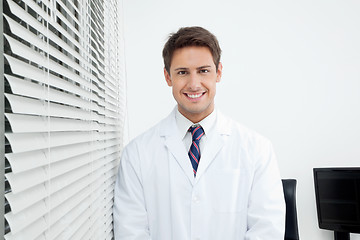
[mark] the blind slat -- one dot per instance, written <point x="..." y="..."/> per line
<point x="30" y="123"/>
<point x="15" y="9"/>
<point x="72" y="180"/>
<point x="43" y="14"/>
<point x="80" y="220"/>
<point x="58" y="204"/>
<point x="30" y="232"/>
<point x="34" y="56"/>
<point x="23" y="142"/>
<point x="25" y="161"/>
<point x="28" y="179"/>
<point x="24" y="51"/>
<point x="27" y="198"/>
<point x="36" y="90"/>
<point x="26" y="105"/>
<point x="21" y="68"/>
<point x="28" y="216"/>
<point x="21" y="32"/>
<point x="19" y="184"/>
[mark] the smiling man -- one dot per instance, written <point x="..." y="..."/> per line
<point x="197" y="174"/>
<point x="193" y="77"/>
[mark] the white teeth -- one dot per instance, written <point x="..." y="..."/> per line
<point x="194" y="95"/>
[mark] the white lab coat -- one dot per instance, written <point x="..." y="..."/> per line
<point x="237" y="192"/>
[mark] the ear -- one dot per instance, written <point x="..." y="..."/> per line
<point x="167" y="78"/>
<point x="219" y="72"/>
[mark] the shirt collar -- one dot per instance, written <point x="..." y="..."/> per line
<point x="183" y="123"/>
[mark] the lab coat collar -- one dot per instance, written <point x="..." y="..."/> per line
<point x="215" y="142"/>
<point x="173" y="142"/>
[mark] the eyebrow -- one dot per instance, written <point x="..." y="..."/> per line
<point x="206" y="66"/>
<point x="182" y="68"/>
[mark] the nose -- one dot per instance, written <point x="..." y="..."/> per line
<point x="194" y="81"/>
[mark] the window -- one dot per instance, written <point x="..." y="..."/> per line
<point x="64" y="98"/>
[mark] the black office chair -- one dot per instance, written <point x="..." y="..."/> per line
<point x="291" y="224"/>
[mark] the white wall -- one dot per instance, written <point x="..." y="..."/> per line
<point x="291" y="70"/>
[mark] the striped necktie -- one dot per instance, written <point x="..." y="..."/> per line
<point x="194" y="152"/>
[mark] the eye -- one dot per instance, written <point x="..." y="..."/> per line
<point x="204" y="70"/>
<point x="181" y="72"/>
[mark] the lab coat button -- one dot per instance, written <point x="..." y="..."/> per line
<point x="196" y="200"/>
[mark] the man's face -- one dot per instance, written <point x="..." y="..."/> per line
<point x="193" y="77"/>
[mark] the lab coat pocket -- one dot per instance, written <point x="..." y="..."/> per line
<point x="230" y="189"/>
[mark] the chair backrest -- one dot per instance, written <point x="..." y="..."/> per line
<point x="291" y="223"/>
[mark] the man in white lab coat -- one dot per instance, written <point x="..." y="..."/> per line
<point x="231" y="191"/>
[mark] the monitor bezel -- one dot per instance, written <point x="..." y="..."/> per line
<point x="338" y="227"/>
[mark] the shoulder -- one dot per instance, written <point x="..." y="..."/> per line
<point x="146" y="137"/>
<point x="251" y="147"/>
<point x="240" y="133"/>
<point x="144" y="150"/>
<point x="150" y="137"/>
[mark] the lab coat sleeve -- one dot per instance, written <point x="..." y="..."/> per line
<point x="266" y="209"/>
<point x="129" y="211"/>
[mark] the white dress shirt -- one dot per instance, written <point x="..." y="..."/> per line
<point x="184" y="124"/>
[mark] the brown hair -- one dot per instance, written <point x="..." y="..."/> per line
<point x="191" y="36"/>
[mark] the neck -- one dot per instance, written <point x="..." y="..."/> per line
<point x="196" y="117"/>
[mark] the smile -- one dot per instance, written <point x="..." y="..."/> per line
<point x="193" y="96"/>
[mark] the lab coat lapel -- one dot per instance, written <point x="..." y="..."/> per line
<point x="175" y="146"/>
<point x="214" y="144"/>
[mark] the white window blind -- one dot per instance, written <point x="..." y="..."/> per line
<point x="64" y="117"/>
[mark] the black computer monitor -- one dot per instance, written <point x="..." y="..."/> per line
<point x="337" y="193"/>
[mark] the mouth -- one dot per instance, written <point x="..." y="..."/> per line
<point x="194" y="96"/>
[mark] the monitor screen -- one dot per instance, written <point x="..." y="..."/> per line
<point x="337" y="193"/>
